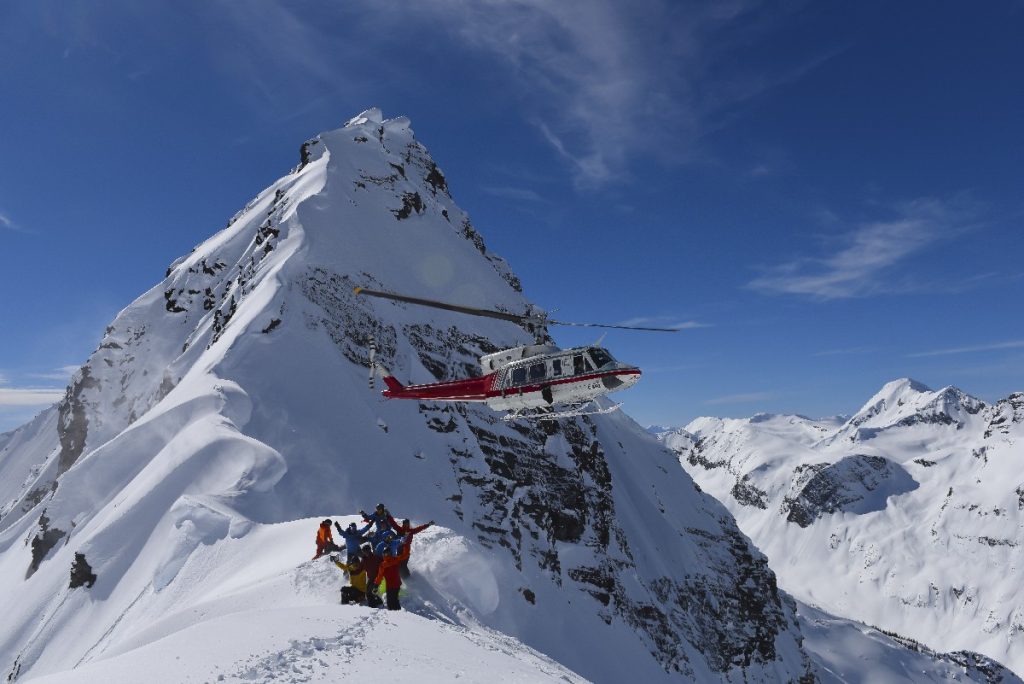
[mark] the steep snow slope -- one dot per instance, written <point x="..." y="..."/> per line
<point x="908" y="515"/>
<point x="232" y="396"/>
<point x="247" y="609"/>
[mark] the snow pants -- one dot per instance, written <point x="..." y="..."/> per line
<point x="350" y="594"/>
<point x="392" y="595"/>
<point x="322" y="549"/>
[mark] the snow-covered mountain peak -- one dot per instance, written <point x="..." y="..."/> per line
<point x="893" y="394"/>
<point x="232" y="398"/>
<point x="906" y="402"/>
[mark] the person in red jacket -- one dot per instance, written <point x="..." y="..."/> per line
<point x="406" y="533"/>
<point x="325" y="540"/>
<point x="389" y="572"/>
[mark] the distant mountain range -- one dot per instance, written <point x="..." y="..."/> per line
<point x="908" y="515"/>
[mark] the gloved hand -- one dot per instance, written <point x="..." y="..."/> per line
<point x="336" y="558"/>
<point x="373" y="588"/>
<point x="363" y="513"/>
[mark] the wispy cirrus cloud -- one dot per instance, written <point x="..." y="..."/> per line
<point x="992" y="346"/>
<point x="21" y="396"/>
<point x="742" y="398"/>
<point x="6" y="222"/>
<point x="607" y="80"/>
<point x="63" y="373"/>
<point x="867" y="254"/>
<point x="602" y="81"/>
<point x="29" y="396"/>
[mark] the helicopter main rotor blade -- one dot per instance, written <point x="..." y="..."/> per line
<point x="488" y="313"/>
<point x="501" y="315"/>
<point x="618" y="327"/>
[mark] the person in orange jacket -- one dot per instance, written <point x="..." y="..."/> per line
<point x="325" y="540"/>
<point x="389" y="572"/>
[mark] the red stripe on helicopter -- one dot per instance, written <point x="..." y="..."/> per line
<point x="481" y="388"/>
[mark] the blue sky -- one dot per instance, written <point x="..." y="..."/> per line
<point x="833" y="191"/>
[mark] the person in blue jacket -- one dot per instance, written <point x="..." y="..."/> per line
<point x="353" y="537"/>
<point x="387" y="541"/>
<point x="380" y="518"/>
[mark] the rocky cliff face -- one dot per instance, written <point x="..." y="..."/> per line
<point x="907" y="515"/>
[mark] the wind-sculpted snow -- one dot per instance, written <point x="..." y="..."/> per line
<point x="227" y="410"/>
<point x="908" y="515"/>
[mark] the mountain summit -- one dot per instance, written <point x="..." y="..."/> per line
<point x="229" y="404"/>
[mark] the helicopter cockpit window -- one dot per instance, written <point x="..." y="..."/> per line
<point x="556" y="368"/>
<point x="537" y="371"/>
<point x="600" y="356"/>
<point x="519" y="375"/>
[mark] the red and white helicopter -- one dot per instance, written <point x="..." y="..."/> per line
<point x="529" y="381"/>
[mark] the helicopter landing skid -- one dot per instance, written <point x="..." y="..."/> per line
<point x="569" y="412"/>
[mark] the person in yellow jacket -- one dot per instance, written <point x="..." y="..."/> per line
<point x="355" y="590"/>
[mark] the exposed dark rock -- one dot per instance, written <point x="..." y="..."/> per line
<point x="469" y="232"/>
<point x="171" y="303"/>
<point x="436" y="180"/>
<point x="44" y="540"/>
<point x="748" y="494"/>
<point x="697" y="457"/>
<point x="924" y="462"/>
<point x="81" y="573"/>
<point x="274" y="322"/>
<point x="304" y="156"/>
<point x="73" y="423"/>
<point x="857" y="484"/>
<point x="411" y="201"/>
<point x="529" y="595"/>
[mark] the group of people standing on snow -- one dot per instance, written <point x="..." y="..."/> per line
<point x="376" y="557"/>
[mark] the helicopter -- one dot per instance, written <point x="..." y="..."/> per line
<point x="529" y="381"/>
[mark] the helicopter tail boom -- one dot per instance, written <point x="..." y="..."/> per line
<point x="392" y="384"/>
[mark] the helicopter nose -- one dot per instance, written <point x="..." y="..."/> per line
<point x="627" y="377"/>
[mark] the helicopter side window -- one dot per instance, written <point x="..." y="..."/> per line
<point x="537" y="371"/>
<point x="519" y="375"/>
<point x="581" y="364"/>
<point x="600" y="356"/>
<point x="556" y="368"/>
